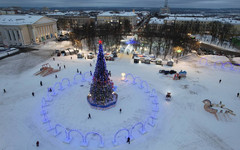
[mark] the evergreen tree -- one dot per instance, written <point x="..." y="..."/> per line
<point x="102" y="87"/>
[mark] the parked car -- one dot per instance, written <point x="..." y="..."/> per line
<point x="90" y="55"/>
<point x="109" y="57"/>
<point x="65" y="52"/>
<point x="147" y="60"/>
<point x="71" y="51"/>
<point x="80" y="55"/>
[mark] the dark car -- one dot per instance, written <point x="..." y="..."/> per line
<point x="114" y="53"/>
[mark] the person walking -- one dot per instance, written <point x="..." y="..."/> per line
<point x="77" y="71"/>
<point x="120" y="110"/>
<point x="80" y="72"/>
<point x="53" y="59"/>
<point x="33" y="94"/>
<point x="59" y="68"/>
<point x="128" y="140"/>
<point x="90" y="65"/>
<point x="64" y="66"/>
<point x="40" y="83"/>
<point x="56" y="76"/>
<point x="89" y="116"/>
<point x="237" y="94"/>
<point x="110" y="74"/>
<point x="71" y="57"/>
<point x="220" y="81"/>
<point x="90" y="73"/>
<point x="37" y="143"/>
<point x="4" y="91"/>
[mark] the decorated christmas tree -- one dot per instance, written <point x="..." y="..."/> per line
<point x="101" y="91"/>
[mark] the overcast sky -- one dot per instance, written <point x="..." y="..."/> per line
<point x="123" y="3"/>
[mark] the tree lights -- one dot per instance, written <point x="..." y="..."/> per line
<point x="101" y="91"/>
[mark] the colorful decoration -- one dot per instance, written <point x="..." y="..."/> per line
<point x="101" y="92"/>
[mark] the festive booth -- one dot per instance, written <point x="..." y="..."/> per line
<point x="158" y="61"/>
<point x="170" y="62"/>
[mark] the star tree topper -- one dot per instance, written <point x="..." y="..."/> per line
<point x="100" y="42"/>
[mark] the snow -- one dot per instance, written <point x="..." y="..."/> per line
<point x="215" y="58"/>
<point x="155" y="20"/>
<point x="236" y="60"/>
<point x="18" y="19"/>
<point x="182" y="122"/>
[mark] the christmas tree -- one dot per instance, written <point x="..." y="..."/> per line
<point x="101" y="90"/>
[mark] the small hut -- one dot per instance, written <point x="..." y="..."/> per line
<point x="158" y="61"/>
<point x="170" y="62"/>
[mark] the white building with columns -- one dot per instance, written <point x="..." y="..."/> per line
<point x="26" y="29"/>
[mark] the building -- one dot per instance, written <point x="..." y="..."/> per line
<point x="155" y="23"/>
<point x="68" y="20"/>
<point x="115" y="17"/>
<point x="26" y="29"/>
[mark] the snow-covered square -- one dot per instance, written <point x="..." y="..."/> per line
<point x="59" y="119"/>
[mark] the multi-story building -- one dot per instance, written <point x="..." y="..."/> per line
<point x="114" y="17"/>
<point x="203" y="21"/>
<point x="72" y="19"/>
<point x="26" y="29"/>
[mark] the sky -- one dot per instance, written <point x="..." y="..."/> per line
<point x="123" y="3"/>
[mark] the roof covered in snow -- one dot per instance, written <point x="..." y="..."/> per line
<point x="70" y="13"/>
<point x="109" y="13"/>
<point x="18" y="19"/>
<point x="155" y="20"/>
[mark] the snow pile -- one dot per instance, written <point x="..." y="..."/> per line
<point x="18" y="19"/>
<point x="56" y="45"/>
<point x="216" y="58"/>
<point x="236" y="60"/>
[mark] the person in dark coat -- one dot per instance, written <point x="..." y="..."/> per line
<point x="80" y="72"/>
<point x="109" y="72"/>
<point x="40" y="83"/>
<point x="33" y="94"/>
<point x="89" y="116"/>
<point x="64" y="66"/>
<point x="120" y="110"/>
<point x="90" y="65"/>
<point x="37" y="143"/>
<point x="220" y="81"/>
<point x="128" y="140"/>
<point x="55" y="76"/>
<point x="237" y="94"/>
<point x="53" y="59"/>
<point x="90" y="73"/>
<point x="77" y="71"/>
<point x="50" y="89"/>
<point x="59" y="68"/>
<point x="71" y="57"/>
<point x="58" y="65"/>
<point x="4" y="91"/>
